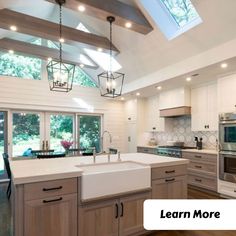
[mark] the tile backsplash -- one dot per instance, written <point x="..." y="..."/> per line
<point x="182" y="132"/>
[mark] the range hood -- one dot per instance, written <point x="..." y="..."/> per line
<point x="175" y="111"/>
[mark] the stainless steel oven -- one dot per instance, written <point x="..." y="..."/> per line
<point x="227" y="166"/>
<point x="227" y="131"/>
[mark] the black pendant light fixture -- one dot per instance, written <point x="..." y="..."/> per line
<point x="60" y="74"/>
<point x="111" y="83"/>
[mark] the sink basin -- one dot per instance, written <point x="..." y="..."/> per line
<point x="105" y="179"/>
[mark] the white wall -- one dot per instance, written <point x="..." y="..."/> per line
<point x="16" y="93"/>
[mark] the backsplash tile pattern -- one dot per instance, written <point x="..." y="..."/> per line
<point x="182" y="132"/>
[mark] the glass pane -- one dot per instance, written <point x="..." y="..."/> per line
<point x="61" y="129"/>
<point x="26" y="133"/>
<point x="2" y="141"/>
<point x="230" y="134"/>
<point x="90" y="132"/>
<point x="20" y="66"/>
<point x="182" y="11"/>
<point x="82" y="79"/>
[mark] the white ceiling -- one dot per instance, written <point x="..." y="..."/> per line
<point x="144" y="54"/>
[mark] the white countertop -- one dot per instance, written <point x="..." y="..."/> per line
<point x="206" y="151"/>
<point x="28" y="171"/>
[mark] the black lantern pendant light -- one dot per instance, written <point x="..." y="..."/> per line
<point x="60" y="75"/>
<point x="111" y="83"/>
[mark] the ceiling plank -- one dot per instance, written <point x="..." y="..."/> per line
<point x="45" y="29"/>
<point x="41" y="52"/>
<point x="122" y="12"/>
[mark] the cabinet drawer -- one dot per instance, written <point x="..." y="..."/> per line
<point x="200" y="157"/>
<point x="146" y="150"/>
<point x="203" y="167"/>
<point x="169" y="171"/>
<point x="204" y="182"/>
<point x="228" y="189"/>
<point x="50" y="188"/>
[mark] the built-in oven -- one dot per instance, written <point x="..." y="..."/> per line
<point x="227" y="131"/>
<point x="227" y="166"/>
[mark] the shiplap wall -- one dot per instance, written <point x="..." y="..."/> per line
<point x="16" y="93"/>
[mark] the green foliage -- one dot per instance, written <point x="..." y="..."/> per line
<point x="82" y="79"/>
<point x="90" y="128"/>
<point x="181" y="10"/>
<point x="20" y="66"/>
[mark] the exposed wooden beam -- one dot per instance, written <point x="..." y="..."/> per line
<point x="41" y="52"/>
<point x="123" y="12"/>
<point x="45" y="29"/>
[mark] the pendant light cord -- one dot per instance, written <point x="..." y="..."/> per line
<point x="60" y="29"/>
<point x="111" y="46"/>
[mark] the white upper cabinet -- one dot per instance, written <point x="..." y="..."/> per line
<point x="227" y="94"/>
<point x="178" y="97"/>
<point x="204" y="108"/>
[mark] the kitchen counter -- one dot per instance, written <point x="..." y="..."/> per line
<point x="206" y="151"/>
<point x="29" y="171"/>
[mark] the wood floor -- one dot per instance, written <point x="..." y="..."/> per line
<point x="6" y="229"/>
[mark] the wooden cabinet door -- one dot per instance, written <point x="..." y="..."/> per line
<point x="99" y="219"/>
<point x="170" y="188"/>
<point x="54" y="216"/>
<point x="131" y="214"/>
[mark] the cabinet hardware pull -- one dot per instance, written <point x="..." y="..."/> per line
<point x="198" y="180"/>
<point x="51" y="189"/>
<point x="198" y="156"/>
<point x="117" y="210"/>
<point x="53" y="200"/>
<point x="122" y="210"/>
<point x="235" y="191"/>
<point x="199" y="167"/>
<point x="170" y="171"/>
<point x="170" y="180"/>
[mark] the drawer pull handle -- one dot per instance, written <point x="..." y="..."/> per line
<point x="235" y="191"/>
<point x="197" y="156"/>
<point x="198" y="180"/>
<point x="170" y="171"/>
<point x="199" y="167"/>
<point x="51" y="189"/>
<point x="170" y="180"/>
<point x="53" y="200"/>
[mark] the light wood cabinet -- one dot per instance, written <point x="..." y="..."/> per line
<point x="118" y="217"/>
<point x="169" y="182"/>
<point x="204" y="108"/>
<point x="202" y="170"/>
<point x="54" y="216"/>
<point x="99" y="219"/>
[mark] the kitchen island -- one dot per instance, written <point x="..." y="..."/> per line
<point x="49" y="200"/>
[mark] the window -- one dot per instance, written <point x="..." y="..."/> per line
<point x="90" y="132"/>
<point x="2" y="140"/>
<point x="81" y="27"/>
<point x="182" y="11"/>
<point x="26" y="132"/>
<point x="20" y="66"/>
<point x="61" y="129"/>
<point x="82" y="79"/>
<point x="173" y="17"/>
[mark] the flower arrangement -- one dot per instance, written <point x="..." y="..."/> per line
<point x="66" y="144"/>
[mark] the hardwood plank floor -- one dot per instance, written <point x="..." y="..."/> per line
<point x="6" y="219"/>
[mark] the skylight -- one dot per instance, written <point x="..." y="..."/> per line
<point x="81" y="27"/>
<point x="173" y="17"/>
<point x="182" y="11"/>
<point x="103" y="60"/>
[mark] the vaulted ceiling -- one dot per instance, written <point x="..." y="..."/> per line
<point x="141" y="54"/>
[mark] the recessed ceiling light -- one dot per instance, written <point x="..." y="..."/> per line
<point x="61" y="40"/>
<point x="122" y="99"/>
<point x="137" y="94"/>
<point x="188" y="79"/>
<point x="159" y="87"/>
<point x="100" y="49"/>
<point x="224" y="65"/>
<point x="11" y="51"/>
<point x="13" y="28"/>
<point x="128" y="25"/>
<point x="49" y="59"/>
<point x="81" y="65"/>
<point x="81" y="8"/>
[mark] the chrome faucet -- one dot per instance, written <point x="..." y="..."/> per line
<point x="99" y="154"/>
<point x="102" y="139"/>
